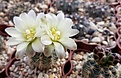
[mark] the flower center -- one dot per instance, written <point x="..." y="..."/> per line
<point x="56" y="34"/>
<point x="29" y="34"/>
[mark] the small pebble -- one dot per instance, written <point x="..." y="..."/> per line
<point x="46" y="76"/>
<point x="78" y="67"/>
<point x="96" y="40"/>
<point x="77" y="57"/>
<point x="105" y="43"/>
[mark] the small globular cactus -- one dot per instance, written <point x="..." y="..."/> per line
<point x="101" y="64"/>
<point x="42" y="62"/>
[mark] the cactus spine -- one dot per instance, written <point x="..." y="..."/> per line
<point x="101" y="64"/>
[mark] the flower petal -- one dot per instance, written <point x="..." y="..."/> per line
<point x="60" y="16"/>
<point x="20" y="54"/>
<point x="46" y="40"/>
<point x="21" y="38"/>
<point x="12" y="32"/>
<point x="22" y="46"/>
<point x="32" y="14"/>
<point x="29" y="51"/>
<point x="39" y="32"/>
<point x="38" y="46"/>
<point x="49" y="50"/>
<point x="18" y="21"/>
<point x="23" y="16"/>
<point x="52" y="19"/>
<point x="12" y="41"/>
<point x="39" y="16"/>
<point x="69" y="43"/>
<point x="65" y="24"/>
<point x="25" y="20"/>
<point x="59" y="49"/>
<point x="73" y="32"/>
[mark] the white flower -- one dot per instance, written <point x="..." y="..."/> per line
<point x="26" y="34"/>
<point x="58" y="33"/>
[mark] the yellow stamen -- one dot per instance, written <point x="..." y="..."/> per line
<point x="29" y="34"/>
<point x="56" y="34"/>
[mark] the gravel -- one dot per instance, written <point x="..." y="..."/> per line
<point x="5" y="52"/>
<point x="95" y="22"/>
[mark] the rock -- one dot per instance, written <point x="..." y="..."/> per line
<point x="105" y="43"/>
<point x="96" y="40"/>
<point x="5" y="56"/>
<point x="102" y="38"/>
<point x="101" y="23"/>
<point x="17" y="63"/>
<point x="10" y="23"/>
<point x="1" y="14"/>
<point x="11" y="68"/>
<point x="106" y="32"/>
<point x="78" y="67"/>
<point x="27" y="67"/>
<point x="93" y="26"/>
<point x="1" y="57"/>
<point x="58" y="63"/>
<point x="111" y="1"/>
<point x="90" y="31"/>
<point x="63" y="60"/>
<point x="77" y="57"/>
<point x="85" y="40"/>
<point x="100" y="30"/>
<point x="25" y="59"/>
<point x="112" y="33"/>
<point x="6" y="18"/>
<point x="21" y="76"/>
<point x="112" y="43"/>
<point x="67" y="54"/>
<point x="74" y="62"/>
<point x="30" y="71"/>
<point x="10" y="50"/>
<point x="15" y="75"/>
<point x="46" y="76"/>
<point x="54" y="69"/>
<point x="44" y="6"/>
<point x="40" y="75"/>
<point x="25" y="70"/>
<point x="36" y="9"/>
<point x="52" y="9"/>
<point x="52" y="75"/>
<point x="78" y="76"/>
<point x="98" y="19"/>
<point x="16" y="69"/>
<point x="96" y="34"/>
<point x="112" y="27"/>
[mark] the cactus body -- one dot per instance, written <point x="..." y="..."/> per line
<point x="91" y="69"/>
<point x="101" y="64"/>
<point x="42" y="62"/>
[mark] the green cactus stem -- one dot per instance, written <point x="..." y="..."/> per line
<point x="91" y="69"/>
<point x="42" y="62"/>
<point x="101" y="64"/>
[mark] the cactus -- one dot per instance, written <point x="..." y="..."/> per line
<point x="101" y="64"/>
<point x="42" y="62"/>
